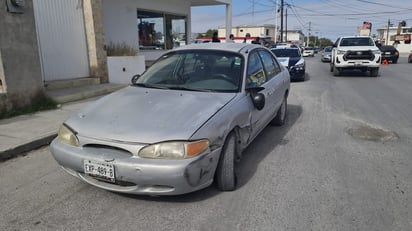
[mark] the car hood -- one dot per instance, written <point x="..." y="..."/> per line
<point x="288" y="61"/>
<point x="146" y="115"/>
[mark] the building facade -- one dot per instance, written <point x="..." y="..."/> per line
<point x="397" y="36"/>
<point x="47" y="40"/>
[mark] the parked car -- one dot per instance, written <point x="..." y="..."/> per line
<point x="292" y="59"/>
<point x="410" y="57"/>
<point x="309" y="51"/>
<point x="326" y="54"/>
<point x="389" y="53"/>
<point x="181" y="125"/>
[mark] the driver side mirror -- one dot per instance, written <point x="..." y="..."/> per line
<point x="135" y="78"/>
<point x="258" y="99"/>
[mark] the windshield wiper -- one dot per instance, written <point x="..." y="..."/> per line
<point x="186" y="88"/>
<point x="149" y="86"/>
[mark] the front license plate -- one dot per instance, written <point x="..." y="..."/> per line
<point x="388" y="53"/>
<point x="100" y="170"/>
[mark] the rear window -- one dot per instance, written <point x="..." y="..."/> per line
<point x="286" y="52"/>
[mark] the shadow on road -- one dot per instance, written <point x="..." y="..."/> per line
<point x="264" y="143"/>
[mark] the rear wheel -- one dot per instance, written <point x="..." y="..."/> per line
<point x="225" y="173"/>
<point x="280" y="118"/>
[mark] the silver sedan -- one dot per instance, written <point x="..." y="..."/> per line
<point x="181" y="125"/>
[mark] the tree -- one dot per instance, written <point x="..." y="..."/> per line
<point x="208" y="34"/>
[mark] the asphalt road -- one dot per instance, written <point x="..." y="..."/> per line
<point x="342" y="162"/>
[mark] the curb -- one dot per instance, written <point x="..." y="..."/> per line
<point x="24" y="148"/>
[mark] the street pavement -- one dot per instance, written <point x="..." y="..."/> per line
<point x="24" y="133"/>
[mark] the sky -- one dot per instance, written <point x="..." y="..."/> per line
<point x="324" y="18"/>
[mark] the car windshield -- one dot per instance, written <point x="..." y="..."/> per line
<point x="286" y="52"/>
<point x="196" y="70"/>
<point x="356" y="42"/>
<point x="328" y="49"/>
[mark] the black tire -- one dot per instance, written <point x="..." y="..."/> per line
<point x="281" y="114"/>
<point x="336" y="71"/>
<point x="394" y="61"/>
<point x="331" y="67"/>
<point x="225" y="172"/>
<point x="374" y="72"/>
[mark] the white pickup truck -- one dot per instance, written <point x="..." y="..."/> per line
<point x="355" y="52"/>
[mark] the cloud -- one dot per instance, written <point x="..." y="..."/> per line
<point x="329" y="19"/>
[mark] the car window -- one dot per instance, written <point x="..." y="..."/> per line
<point x="292" y="52"/>
<point x="255" y="73"/>
<point x="196" y="70"/>
<point x="270" y="64"/>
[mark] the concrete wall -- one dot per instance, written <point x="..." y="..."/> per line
<point x="95" y="36"/>
<point x="21" y="77"/>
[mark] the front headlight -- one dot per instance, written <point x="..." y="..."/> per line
<point x="340" y="52"/>
<point x="300" y="65"/>
<point x="67" y="136"/>
<point x="174" y="149"/>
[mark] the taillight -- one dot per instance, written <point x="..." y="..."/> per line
<point x="396" y="53"/>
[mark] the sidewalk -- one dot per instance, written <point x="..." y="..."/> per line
<point x="27" y="132"/>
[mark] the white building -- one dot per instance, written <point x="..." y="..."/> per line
<point x="294" y="36"/>
<point x="390" y="36"/>
<point x="240" y="32"/>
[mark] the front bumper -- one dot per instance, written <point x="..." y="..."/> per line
<point x="135" y="175"/>
<point x="390" y="57"/>
<point x="296" y="74"/>
<point x="357" y="63"/>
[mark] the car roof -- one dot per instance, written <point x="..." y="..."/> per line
<point x="283" y="47"/>
<point x="232" y="47"/>
<point x="355" y="37"/>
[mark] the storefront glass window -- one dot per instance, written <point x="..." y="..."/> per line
<point x="160" y="31"/>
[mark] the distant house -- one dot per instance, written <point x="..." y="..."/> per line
<point x="240" y="32"/>
<point x="294" y="36"/>
<point x="268" y="31"/>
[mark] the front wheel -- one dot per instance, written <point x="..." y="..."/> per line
<point x="374" y="72"/>
<point x="225" y="172"/>
<point x="336" y="71"/>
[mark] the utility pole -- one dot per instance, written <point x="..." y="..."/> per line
<point x="307" y="39"/>
<point x="286" y="25"/>
<point x="276" y="22"/>
<point x="281" y="20"/>
<point x="387" y="33"/>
